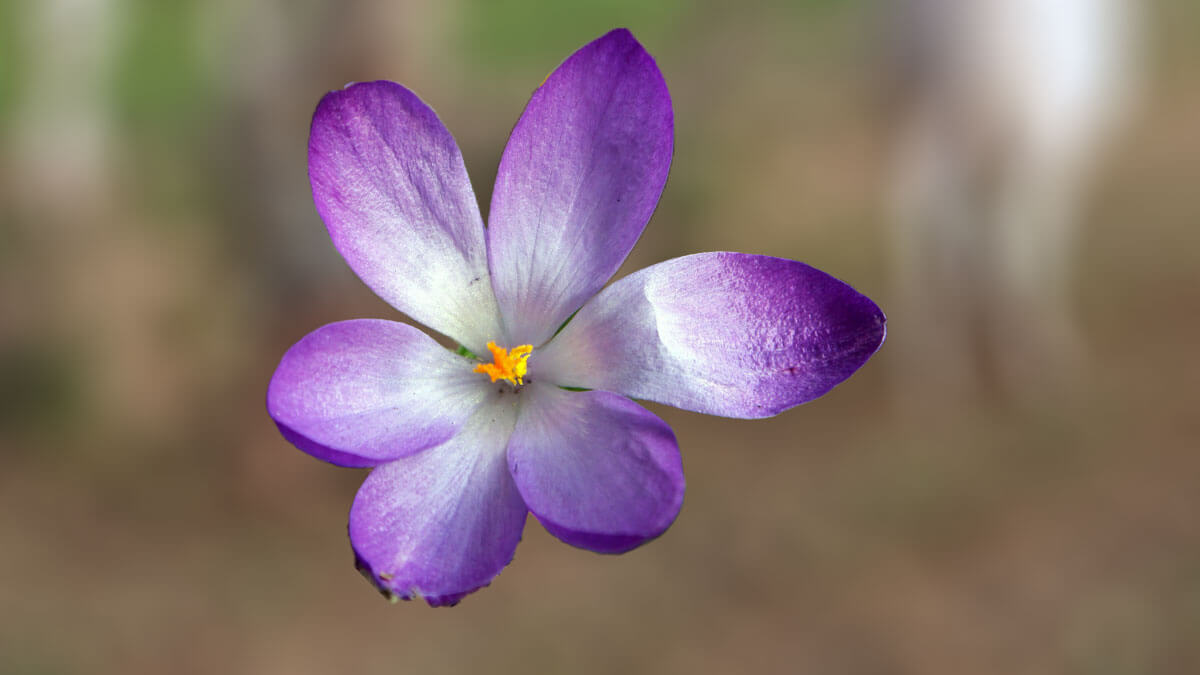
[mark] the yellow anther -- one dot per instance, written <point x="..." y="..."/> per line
<point x="509" y="366"/>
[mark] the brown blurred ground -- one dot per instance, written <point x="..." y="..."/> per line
<point x="153" y="521"/>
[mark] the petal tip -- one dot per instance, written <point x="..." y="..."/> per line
<point x="387" y="586"/>
<point x="321" y="451"/>
<point x="596" y="542"/>
<point x="620" y="34"/>
<point x="393" y="589"/>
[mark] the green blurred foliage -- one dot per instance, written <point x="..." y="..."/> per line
<point x="161" y="88"/>
<point x="12" y="46"/>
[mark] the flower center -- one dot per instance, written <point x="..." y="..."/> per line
<point x="506" y="365"/>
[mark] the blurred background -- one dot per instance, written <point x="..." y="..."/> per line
<point x="960" y="512"/>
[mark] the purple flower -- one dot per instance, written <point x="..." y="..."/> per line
<point x="463" y="447"/>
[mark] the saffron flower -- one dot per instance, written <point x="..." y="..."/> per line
<point x="534" y="412"/>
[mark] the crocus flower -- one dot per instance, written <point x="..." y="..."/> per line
<point x="534" y="412"/>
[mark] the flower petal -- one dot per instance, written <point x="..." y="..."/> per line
<point x="719" y="333"/>
<point x="444" y="522"/>
<point x="579" y="179"/>
<point x="389" y="182"/>
<point x="358" y="393"/>
<point x="598" y="470"/>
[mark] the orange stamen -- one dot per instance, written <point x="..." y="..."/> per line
<point x="506" y="365"/>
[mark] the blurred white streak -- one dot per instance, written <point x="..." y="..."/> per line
<point x="1002" y="106"/>
<point x="62" y="125"/>
<point x="56" y="155"/>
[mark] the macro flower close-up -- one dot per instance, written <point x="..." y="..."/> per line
<point x="536" y="411"/>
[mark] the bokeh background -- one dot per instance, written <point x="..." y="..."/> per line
<point x="159" y="252"/>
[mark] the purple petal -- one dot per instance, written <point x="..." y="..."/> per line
<point x="358" y="393"/>
<point x="444" y="522"/>
<point x="389" y="182"/>
<point x="580" y="176"/>
<point x="598" y="470"/>
<point x="719" y="333"/>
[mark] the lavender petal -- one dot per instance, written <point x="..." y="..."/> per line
<point x="358" y="393"/>
<point x="599" y="471"/>
<point x="389" y="182"/>
<point x="579" y="179"/>
<point x="719" y="333"/>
